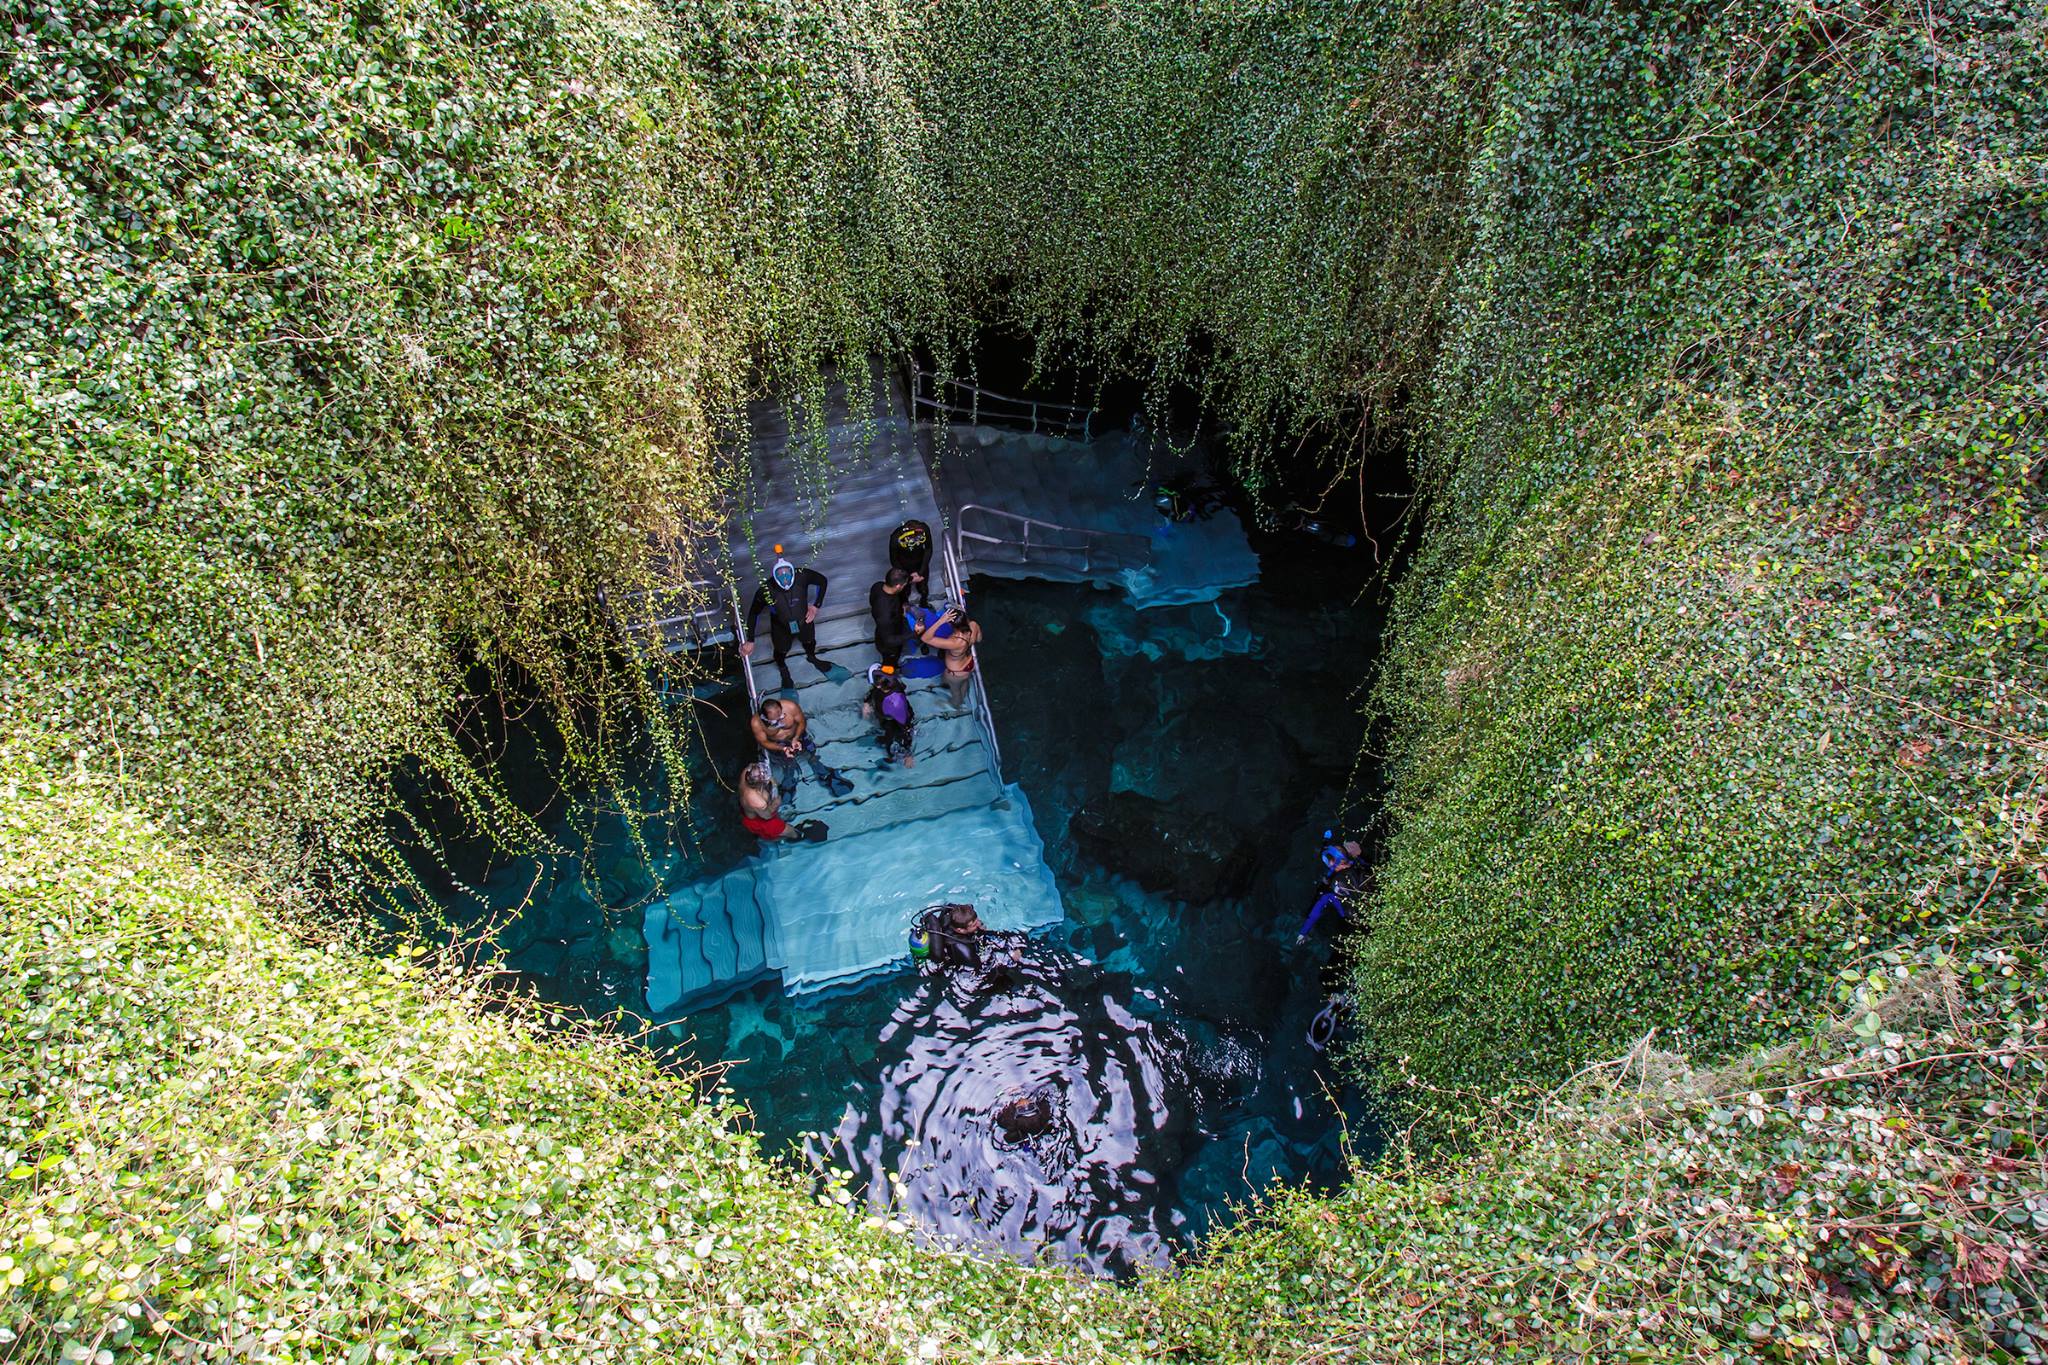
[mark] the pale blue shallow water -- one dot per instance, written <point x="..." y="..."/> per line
<point x="1201" y="749"/>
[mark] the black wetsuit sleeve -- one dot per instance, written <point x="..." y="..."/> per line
<point x="812" y="578"/>
<point x="759" y="605"/>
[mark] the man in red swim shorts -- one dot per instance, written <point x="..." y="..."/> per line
<point x="761" y="803"/>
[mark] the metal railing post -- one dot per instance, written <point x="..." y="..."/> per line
<point x="1129" y="547"/>
<point x="739" y="637"/>
<point x="1067" y="417"/>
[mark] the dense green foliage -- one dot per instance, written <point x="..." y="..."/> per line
<point x="221" y="1138"/>
<point x="342" y="345"/>
<point x="1721" y="666"/>
<point x="1264" y="201"/>
<point x="220" y="1133"/>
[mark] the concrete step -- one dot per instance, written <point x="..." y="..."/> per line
<point x="957" y="791"/>
<point x="952" y="753"/>
<point x="706" y="939"/>
<point x="844" y="907"/>
<point x="849" y="663"/>
<point x="848" y="680"/>
<point x="847" y="738"/>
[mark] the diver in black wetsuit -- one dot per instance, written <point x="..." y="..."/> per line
<point x="786" y="597"/>
<point x="952" y="935"/>
<point x="886" y="601"/>
<point x="910" y="549"/>
<point x="889" y="704"/>
<point x="1188" y="497"/>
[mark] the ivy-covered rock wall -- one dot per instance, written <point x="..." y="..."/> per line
<point x="1720" y="338"/>
<point x="342" y="345"/>
<point x="1719" y="335"/>
<point x="1720" y="669"/>
<point x="224" y="1138"/>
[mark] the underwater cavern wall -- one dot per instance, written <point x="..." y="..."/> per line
<point x="341" y="342"/>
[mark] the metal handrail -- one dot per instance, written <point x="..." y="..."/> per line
<point x="1136" y="547"/>
<point x="1066" y="416"/>
<point x="739" y="637"/>
<point x="696" y="616"/>
<point x="980" y="685"/>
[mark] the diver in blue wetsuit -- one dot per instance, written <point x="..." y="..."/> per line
<point x="1344" y="883"/>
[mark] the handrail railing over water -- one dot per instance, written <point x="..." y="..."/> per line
<point x="1128" y="549"/>
<point x="703" y="592"/>
<point x="716" y="601"/>
<point x="1068" y="420"/>
<point x="739" y="638"/>
<point x="979" y="686"/>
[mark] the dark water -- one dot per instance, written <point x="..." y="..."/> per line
<point x="1182" y="764"/>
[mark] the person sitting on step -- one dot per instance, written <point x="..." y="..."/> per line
<point x="760" y="805"/>
<point x="784" y="734"/>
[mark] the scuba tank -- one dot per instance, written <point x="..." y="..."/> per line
<point x="933" y="941"/>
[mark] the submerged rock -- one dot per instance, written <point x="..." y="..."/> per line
<point x="1162" y="848"/>
<point x="627" y="946"/>
<point x="1177" y="760"/>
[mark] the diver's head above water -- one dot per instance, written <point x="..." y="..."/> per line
<point x="1025" y="1117"/>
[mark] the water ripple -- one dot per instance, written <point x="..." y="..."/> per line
<point x="1112" y="1070"/>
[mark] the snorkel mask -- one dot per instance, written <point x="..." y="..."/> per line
<point x="784" y="573"/>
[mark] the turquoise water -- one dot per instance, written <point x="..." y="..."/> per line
<point x="1179" y="765"/>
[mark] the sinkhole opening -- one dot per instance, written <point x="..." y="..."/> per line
<point x="1143" y="1044"/>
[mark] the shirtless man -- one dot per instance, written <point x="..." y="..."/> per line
<point x="760" y="807"/>
<point x="783" y="733"/>
<point x="954" y="637"/>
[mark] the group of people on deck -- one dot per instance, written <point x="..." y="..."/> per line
<point x="902" y="613"/>
<point x="791" y="598"/>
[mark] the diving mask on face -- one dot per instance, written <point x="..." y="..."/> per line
<point x="785" y="574"/>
